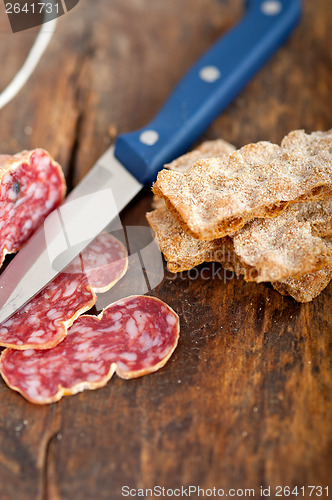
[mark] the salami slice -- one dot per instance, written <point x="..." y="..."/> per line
<point x="103" y="262"/>
<point x="132" y="337"/>
<point x="31" y="186"/>
<point x="44" y="321"/>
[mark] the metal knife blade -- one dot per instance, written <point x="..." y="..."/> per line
<point x="90" y="207"/>
<point x="204" y="92"/>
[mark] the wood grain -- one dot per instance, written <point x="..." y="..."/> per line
<point x="246" y="399"/>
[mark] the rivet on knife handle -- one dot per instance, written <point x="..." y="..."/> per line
<point x="211" y="84"/>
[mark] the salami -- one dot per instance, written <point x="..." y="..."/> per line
<point x="132" y="337"/>
<point x="31" y="186"/>
<point x="44" y="321"/>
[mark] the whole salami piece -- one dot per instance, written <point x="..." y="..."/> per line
<point x="43" y="322"/>
<point x="31" y="186"/>
<point x="132" y="337"/>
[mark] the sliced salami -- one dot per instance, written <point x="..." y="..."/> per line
<point x="44" y="321"/>
<point x="132" y="337"/>
<point x="103" y="262"/>
<point x="31" y="186"/>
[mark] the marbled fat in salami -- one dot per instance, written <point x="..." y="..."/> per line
<point x="132" y="337"/>
<point x="103" y="262"/>
<point x="31" y="186"/>
<point x="43" y="322"/>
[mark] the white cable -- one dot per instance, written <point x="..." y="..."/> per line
<point x="43" y="39"/>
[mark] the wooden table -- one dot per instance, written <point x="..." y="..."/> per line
<point x="246" y="399"/>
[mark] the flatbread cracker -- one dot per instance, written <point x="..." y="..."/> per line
<point x="307" y="287"/>
<point x="217" y="196"/>
<point x="207" y="149"/>
<point x="264" y="250"/>
<point x="181" y="251"/>
<point x="289" y="245"/>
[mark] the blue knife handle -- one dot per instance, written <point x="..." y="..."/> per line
<point x="209" y="86"/>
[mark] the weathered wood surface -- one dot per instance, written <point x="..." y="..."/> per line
<point x="246" y="399"/>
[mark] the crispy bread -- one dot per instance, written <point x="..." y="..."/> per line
<point x="207" y="149"/>
<point x="307" y="287"/>
<point x="264" y="250"/>
<point x="297" y="242"/>
<point x="217" y="196"/>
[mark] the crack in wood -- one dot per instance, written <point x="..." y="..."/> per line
<point x="47" y="468"/>
<point x="44" y="459"/>
<point x="72" y="162"/>
<point x="80" y="95"/>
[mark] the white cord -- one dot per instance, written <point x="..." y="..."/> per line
<point x="43" y="39"/>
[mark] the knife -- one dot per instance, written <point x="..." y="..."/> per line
<point x="211" y="84"/>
